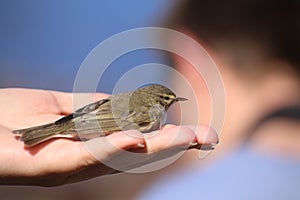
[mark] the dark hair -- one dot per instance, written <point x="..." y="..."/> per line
<point x="274" y="26"/>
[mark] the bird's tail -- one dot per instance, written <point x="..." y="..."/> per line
<point x="35" y="135"/>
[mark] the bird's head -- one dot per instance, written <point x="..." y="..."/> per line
<point x="162" y="95"/>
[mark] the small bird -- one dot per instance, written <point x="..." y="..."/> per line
<point x="143" y="109"/>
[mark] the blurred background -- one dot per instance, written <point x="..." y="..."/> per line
<point x="42" y="45"/>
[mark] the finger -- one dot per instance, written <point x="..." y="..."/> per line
<point x="165" y="143"/>
<point x="181" y="137"/>
<point x="205" y="134"/>
<point x="104" y="148"/>
<point x="169" y="137"/>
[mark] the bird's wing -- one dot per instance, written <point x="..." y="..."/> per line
<point x="94" y="118"/>
<point x="82" y="111"/>
<point x="106" y="122"/>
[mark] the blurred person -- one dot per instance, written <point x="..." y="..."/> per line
<point x="256" y="46"/>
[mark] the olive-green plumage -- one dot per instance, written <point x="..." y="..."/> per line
<point x="143" y="109"/>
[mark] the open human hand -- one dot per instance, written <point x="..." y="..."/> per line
<point x="61" y="161"/>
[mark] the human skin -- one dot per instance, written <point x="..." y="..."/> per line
<point x="61" y="161"/>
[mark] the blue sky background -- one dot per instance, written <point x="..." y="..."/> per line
<point x="43" y="43"/>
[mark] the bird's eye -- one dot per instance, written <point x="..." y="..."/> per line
<point x="167" y="98"/>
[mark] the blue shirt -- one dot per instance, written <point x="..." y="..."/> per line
<point x="242" y="175"/>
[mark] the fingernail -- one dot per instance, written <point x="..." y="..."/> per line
<point x="140" y="145"/>
<point x="208" y="147"/>
<point x="193" y="143"/>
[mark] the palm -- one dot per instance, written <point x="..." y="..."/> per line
<point x="22" y="108"/>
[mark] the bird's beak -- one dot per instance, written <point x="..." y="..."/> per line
<point x="181" y="99"/>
